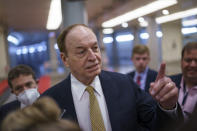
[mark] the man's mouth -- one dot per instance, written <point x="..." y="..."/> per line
<point x="92" y="67"/>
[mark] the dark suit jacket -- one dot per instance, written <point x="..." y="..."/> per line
<point x="7" y="108"/>
<point x="151" y="76"/>
<point x="129" y="108"/>
<point x="177" y="79"/>
<point x="190" y="125"/>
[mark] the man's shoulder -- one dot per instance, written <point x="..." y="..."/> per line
<point x="107" y="74"/>
<point x="152" y="71"/>
<point x="11" y="105"/>
<point x="131" y="73"/>
<point x="7" y="108"/>
<point x="176" y="78"/>
<point x="115" y="77"/>
<point x="57" y="87"/>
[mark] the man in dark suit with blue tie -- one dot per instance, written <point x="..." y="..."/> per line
<point x="122" y="106"/>
<point x="142" y="75"/>
<point x="23" y="84"/>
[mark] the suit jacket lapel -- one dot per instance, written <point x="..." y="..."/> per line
<point x="110" y="92"/>
<point x="133" y="74"/>
<point x="147" y="81"/>
<point x="68" y="109"/>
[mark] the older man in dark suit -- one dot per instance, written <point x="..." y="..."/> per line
<point x="101" y="100"/>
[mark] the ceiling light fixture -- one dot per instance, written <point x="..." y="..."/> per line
<point x="189" y="22"/>
<point x="144" y="35"/>
<point x="141" y="19"/>
<point x="108" y="31"/>
<point x="147" y="9"/>
<point x="108" y="40"/>
<point x="176" y="16"/>
<point x="144" y="24"/>
<point x="55" y="15"/>
<point x="186" y="31"/>
<point x="124" y="38"/>
<point x="13" y="39"/>
<point x="124" y="24"/>
<point x="165" y="12"/>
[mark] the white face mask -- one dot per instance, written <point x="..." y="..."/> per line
<point x="27" y="97"/>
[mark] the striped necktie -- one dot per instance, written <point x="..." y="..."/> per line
<point x="95" y="113"/>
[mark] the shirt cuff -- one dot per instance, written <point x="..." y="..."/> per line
<point x="172" y="112"/>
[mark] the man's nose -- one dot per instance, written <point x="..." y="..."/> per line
<point x="193" y="63"/>
<point x="91" y="55"/>
<point x="141" y="60"/>
<point x="25" y="87"/>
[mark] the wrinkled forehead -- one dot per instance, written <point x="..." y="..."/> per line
<point x="80" y="34"/>
<point x="79" y="31"/>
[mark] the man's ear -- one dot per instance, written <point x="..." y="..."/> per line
<point x="64" y="59"/>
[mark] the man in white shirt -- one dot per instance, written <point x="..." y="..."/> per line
<point x="122" y="105"/>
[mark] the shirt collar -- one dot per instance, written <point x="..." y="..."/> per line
<point x="79" y="88"/>
<point x="182" y="85"/>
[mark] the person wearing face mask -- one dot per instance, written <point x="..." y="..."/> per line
<point x="23" y="84"/>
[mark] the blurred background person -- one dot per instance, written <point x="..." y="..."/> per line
<point x="43" y="115"/>
<point x="142" y="75"/>
<point x="187" y="81"/>
<point x="23" y="84"/>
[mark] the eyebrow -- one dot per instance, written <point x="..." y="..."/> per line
<point x="81" y="47"/>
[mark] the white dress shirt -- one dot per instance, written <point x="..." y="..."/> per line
<point x="81" y="103"/>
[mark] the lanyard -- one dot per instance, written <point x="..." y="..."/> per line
<point x="185" y="94"/>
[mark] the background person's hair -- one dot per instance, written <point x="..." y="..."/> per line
<point x="20" y="70"/>
<point x="43" y="112"/>
<point x="140" y="49"/>
<point x="61" y="38"/>
<point x="188" y="47"/>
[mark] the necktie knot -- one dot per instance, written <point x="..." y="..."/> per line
<point x="90" y="89"/>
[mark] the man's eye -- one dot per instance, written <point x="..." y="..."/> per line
<point x="137" y="58"/>
<point x="18" y="88"/>
<point x="95" y="48"/>
<point x="81" y="52"/>
<point x="28" y="84"/>
<point x="144" y="59"/>
<point x="188" y="60"/>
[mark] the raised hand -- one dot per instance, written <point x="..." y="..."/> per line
<point x="163" y="90"/>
